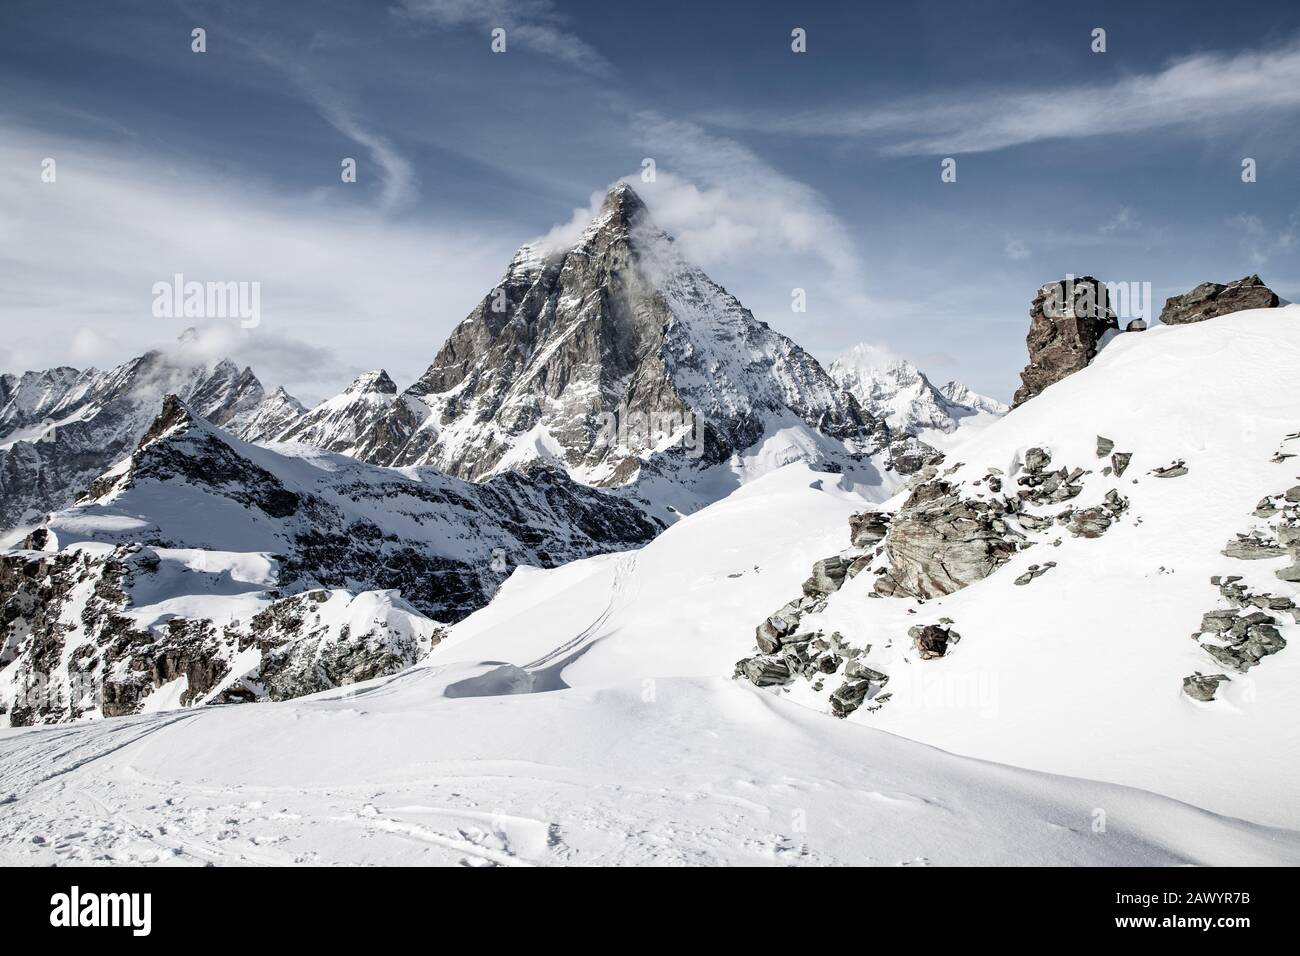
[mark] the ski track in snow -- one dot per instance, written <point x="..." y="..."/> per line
<point x="714" y="772"/>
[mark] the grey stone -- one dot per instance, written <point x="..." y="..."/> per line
<point x="939" y="543"/>
<point x="867" y="528"/>
<point x="1210" y="299"/>
<point x="1037" y="459"/>
<point x="848" y="697"/>
<point x="764" y="671"/>
<point x="1251" y="548"/>
<point x="1066" y="321"/>
<point x="827" y="576"/>
<point x="1203" y="686"/>
<point x="930" y="640"/>
<point x="856" y="670"/>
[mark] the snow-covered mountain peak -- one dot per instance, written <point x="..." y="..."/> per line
<point x="61" y="428"/>
<point x="613" y="356"/>
<point x="892" y="388"/>
<point x="621" y="209"/>
<point x="377" y="382"/>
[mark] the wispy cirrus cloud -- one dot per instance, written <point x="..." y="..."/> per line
<point x="399" y="185"/>
<point x="1262" y="243"/>
<point x="1198" y="88"/>
<point x="535" y="25"/>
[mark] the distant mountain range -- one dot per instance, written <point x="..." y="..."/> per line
<point x="894" y="390"/>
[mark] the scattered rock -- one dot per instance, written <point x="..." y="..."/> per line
<point x="940" y="542"/>
<point x="931" y="640"/>
<point x="1176" y="470"/>
<point x="1252" y="548"/>
<point x="764" y="671"/>
<point x="856" y="670"/>
<point x="1104" y="446"/>
<point x="1037" y="459"/>
<point x="1094" y="522"/>
<point x="1203" y="686"/>
<point x="868" y="528"/>
<point x="1119" y="461"/>
<point x="1034" y="571"/>
<point x="827" y="577"/>
<point x="849" y="696"/>
<point x="1210" y="299"/>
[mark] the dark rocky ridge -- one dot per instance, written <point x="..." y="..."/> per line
<point x="1066" y="321"/>
<point x="80" y="423"/>
<point x="1211" y="299"/>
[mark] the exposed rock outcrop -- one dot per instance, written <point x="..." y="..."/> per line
<point x="1210" y="299"/>
<point x="940" y="542"/>
<point x="1242" y="634"/>
<point x="932" y="640"/>
<point x="73" y="645"/>
<point x="1066" y="322"/>
<point x="1203" y="686"/>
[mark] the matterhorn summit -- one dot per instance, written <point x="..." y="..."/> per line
<point x="618" y="360"/>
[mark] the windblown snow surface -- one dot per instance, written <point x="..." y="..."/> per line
<point x="587" y="716"/>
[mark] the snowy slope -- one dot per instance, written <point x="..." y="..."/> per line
<point x="893" y="389"/>
<point x="1080" y="670"/>
<point x="600" y="741"/>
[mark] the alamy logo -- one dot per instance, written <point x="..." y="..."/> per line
<point x="179" y="299"/>
<point x="1083" y="297"/>
<point x="75" y="908"/>
<point x="652" y="430"/>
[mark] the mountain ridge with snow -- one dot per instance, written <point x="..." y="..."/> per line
<point x="893" y="389"/>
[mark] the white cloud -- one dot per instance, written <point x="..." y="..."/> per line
<point x="1016" y="249"/>
<point x="1263" y="244"/>
<point x="738" y="218"/>
<point x="398" y="182"/>
<point x="342" y="290"/>
<point x="535" y="25"/>
<point x="1122" y="221"/>
<point x="1198" y="88"/>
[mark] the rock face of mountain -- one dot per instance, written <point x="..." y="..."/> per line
<point x="271" y="417"/>
<point x="190" y="560"/>
<point x="896" y="391"/>
<point x="76" y="644"/>
<point x="600" y="356"/>
<point x="1210" y="299"/>
<point x="1066" y="322"/>
<point x="61" y="428"/>
<point x="350" y="422"/>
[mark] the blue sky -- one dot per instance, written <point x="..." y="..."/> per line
<point x="775" y="170"/>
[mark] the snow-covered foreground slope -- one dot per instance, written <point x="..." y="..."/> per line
<point x="584" y="717"/>
<point x="1080" y="670"/>
<point x="698" y="771"/>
